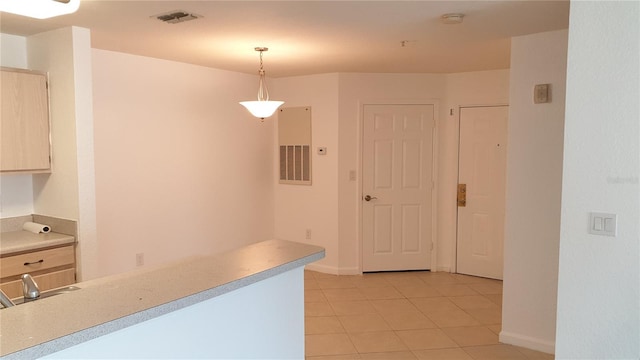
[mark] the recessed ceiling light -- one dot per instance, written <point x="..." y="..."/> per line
<point x="455" y="18"/>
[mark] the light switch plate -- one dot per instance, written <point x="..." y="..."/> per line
<point x="603" y="224"/>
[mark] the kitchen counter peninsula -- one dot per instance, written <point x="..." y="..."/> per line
<point x="245" y="303"/>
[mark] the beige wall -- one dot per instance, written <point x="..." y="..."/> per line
<point x="56" y="194"/>
<point x="181" y="168"/>
<point x="534" y="190"/>
<point x="143" y="160"/>
<point x="447" y="91"/>
<point x="299" y="208"/>
<point x="356" y="90"/>
<point x="302" y="207"/>
<point x="69" y="190"/>
<point x="599" y="276"/>
<point x="462" y="89"/>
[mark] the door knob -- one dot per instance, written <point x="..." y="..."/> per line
<point x="369" y="198"/>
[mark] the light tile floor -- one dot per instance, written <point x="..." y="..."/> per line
<point x="406" y="315"/>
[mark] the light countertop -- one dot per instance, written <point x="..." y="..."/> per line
<point x="20" y="241"/>
<point x="112" y="303"/>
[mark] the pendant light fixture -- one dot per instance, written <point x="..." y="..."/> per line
<point x="263" y="107"/>
<point x="39" y="9"/>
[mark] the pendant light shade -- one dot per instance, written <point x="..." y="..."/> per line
<point x="39" y="9"/>
<point x="263" y="107"/>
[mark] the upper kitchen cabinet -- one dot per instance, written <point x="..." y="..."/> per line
<point x="24" y="124"/>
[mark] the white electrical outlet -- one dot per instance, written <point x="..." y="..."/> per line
<point x="139" y="259"/>
<point x="308" y="234"/>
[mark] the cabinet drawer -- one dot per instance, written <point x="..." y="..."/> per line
<point x="36" y="261"/>
<point x="45" y="282"/>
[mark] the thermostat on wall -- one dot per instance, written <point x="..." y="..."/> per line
<point x="322" y="151"/>
<point x="541" y="94"/>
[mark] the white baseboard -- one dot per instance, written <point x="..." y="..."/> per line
<point x="322" y="268"/>
<point x="333" y="270"/>
<point x="349" y="271"/>
<point x="528" y="342"/>
<point x="353" y="270"/>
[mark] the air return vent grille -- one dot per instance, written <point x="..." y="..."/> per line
<point x="295" y="164"/>
<point x="176" y="16"/>
<point x="294" y="139"/>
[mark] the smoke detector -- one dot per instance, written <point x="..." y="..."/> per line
<point x="176" y="16"/>
<point x="452" y="18"/>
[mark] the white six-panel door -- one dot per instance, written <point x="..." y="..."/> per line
<point x="398" y="160"/>
<point x="482" y="168"/>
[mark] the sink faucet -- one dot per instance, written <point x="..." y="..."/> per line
<point x="30" y="288"/>
<point x="4" y="300"/>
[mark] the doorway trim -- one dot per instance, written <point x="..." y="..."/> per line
<point x="359" y="159"/>
<point x="454" y="245"/>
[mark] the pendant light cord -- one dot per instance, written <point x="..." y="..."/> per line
<point x="263" y="92"/>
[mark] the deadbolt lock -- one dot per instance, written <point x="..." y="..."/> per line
<point x="462" y="195"/>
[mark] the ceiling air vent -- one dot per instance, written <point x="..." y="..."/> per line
<point x="176" y="16"/>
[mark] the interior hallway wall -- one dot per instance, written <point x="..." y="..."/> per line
<point x="299" y="208"/>
<point x="69" y="190"/>
<point x="534" y="188"/>
<point x="599" y="276"/>
<point x="448" y="92"/>
<point x="302" y="207"/>
<point x="181" y="168"/>
<point x="461" y="89"/>
<point x="355" y="90"/>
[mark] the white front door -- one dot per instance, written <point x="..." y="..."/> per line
<point x="482" y="169"/>
<point x="397" y="183"/>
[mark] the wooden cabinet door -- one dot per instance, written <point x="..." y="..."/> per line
<point x="24" y="122"/>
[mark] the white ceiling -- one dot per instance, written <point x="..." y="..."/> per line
<point x="310" y="37"/>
